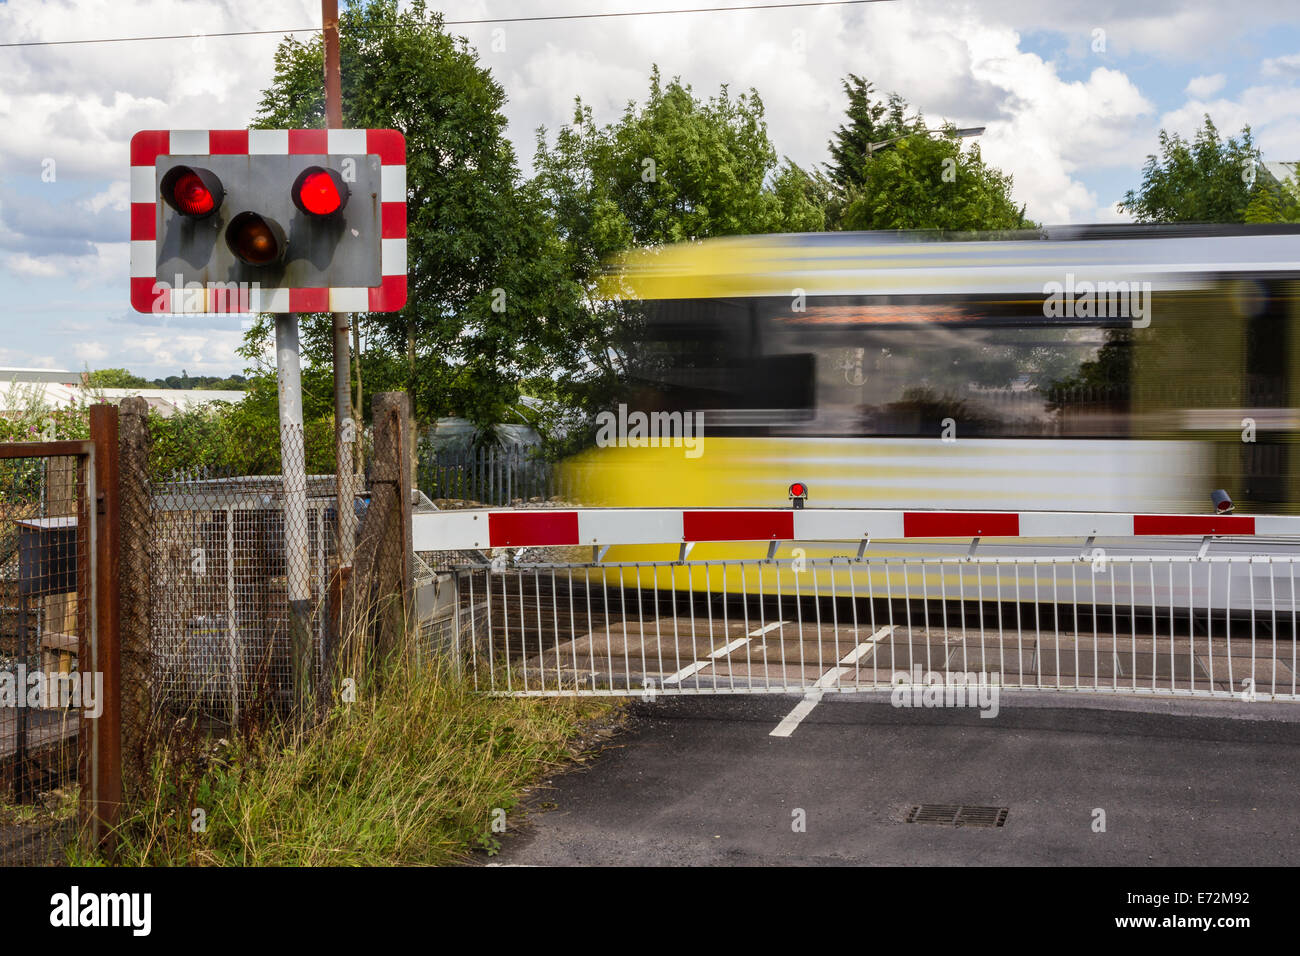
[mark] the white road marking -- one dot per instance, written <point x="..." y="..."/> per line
<point x="687" y="671"/>
<point x="801" y="710"/>
<point x="805" y="707"/>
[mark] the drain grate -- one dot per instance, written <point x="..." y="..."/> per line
<point x="954" y="816"/>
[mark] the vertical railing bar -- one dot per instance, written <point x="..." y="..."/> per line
<point x="541" y="633"/>
<point x="1038" y="631"/>
<point x="1272" y="600"/>
<point x="925" y="613"/>
<point x="573" y="629"/>
<point x="726" y="631"/>
<point x="1155" y="623"/>
<point x="640" y="629"/>
<point x="491" y="647"/>
<point x="1056" y="624"/>
<point x="622" y="610"/>
<point x="591" y="631"/>
<point x="1291" y="567"/>
<point x="677" y="642"/>
<point x="1250" y="577"/>
<point x="961" y="613"/>
<point x="780" y="630"/>
<point x="817" y="608"/>
<point x="857" y="634"/>
<point x="798" y="606"/>
<point x="1227" y="628"/>
<point x="1173" y="670"/>
<point x="1191" y="629"/>
<point x="690" y="590"/>
<point x="1002" y="649"/>
<point x="979" y="595"/>
<point x="609" y="637"/>
<point x="555" y="620"/>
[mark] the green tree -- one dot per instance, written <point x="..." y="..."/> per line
<point x="672" y="169"/>
<point x="869" y="122"/>
<point x="477" y="243"/>
<point x="930" y="182"/>
<point x="114" y="378"/>
<point x="1205" y="180"/>
<point x="887" y="171"/>
<point x="1273" y="201"/>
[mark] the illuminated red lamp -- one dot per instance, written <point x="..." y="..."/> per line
<point x="798" y="494"/>
<point x="193" y="192"/>
<point x="319" y="191"/>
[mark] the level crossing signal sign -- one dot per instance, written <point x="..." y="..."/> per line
<point x="299" y="220"/>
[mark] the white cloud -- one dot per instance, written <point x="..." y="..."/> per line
<point x="1288" y="65"/>
<point x="1199" y="87"/>
<point x="91" y="352"/>
<point x="24" y="265"/>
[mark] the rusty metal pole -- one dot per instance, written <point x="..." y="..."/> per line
<point x="345" y="430"/>
<point x="329" y="11"/>
<point x="105" y="736"/>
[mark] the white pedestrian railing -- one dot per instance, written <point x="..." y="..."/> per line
<point x="1158" y="611"/>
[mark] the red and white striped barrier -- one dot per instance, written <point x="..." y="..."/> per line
<point x="461" y="530"/>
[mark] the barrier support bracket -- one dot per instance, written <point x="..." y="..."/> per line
<point x="974" y="543"/>
<point x="771" y="550"/>
<point x="1205" y="546"/>
<point x="598" y="553"/>
<point x="862" y="546"/>
<point x="1083" y="555"/>
<point x="685" y="550"/>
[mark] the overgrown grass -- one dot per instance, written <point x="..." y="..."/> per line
<point x="412" y="772"/>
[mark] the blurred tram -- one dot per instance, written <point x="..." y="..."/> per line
<point x="1094" y="368"/>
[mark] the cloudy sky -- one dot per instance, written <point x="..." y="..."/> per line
<point x="1072" y="92"/>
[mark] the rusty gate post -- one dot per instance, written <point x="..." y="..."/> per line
<point x="103" y="736"/>
<point x="136" y="536"/>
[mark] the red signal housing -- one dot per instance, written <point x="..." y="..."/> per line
<point x="193" y="192"/>
<point x="320" y="192"/>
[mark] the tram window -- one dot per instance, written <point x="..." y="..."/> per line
<point x="992" y="381"/>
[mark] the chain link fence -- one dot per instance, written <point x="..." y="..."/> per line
<point x="43" y="693"/>
<point x="219" y="601"/>
<point x="236" y="612"/>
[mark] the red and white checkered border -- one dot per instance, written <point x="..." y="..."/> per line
<point x="388" y="144"/>
<point x="462" y="530"/>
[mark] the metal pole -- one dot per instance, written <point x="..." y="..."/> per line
<point x="344" y="425"/>
<point x="294" y="472"/>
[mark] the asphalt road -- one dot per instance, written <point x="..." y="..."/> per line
<point x="702" y="781"/>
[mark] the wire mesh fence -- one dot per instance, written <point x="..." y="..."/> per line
<point x="44" y="693"/>
<point x="1161" y="625"/>
<point x="219" y="598"/>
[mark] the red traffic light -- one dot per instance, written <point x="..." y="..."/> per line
<point x="255" y="240"/>
<point x="191" y="191"/>
<point x="798" y="490"/>
<point x="319" y="191"/>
